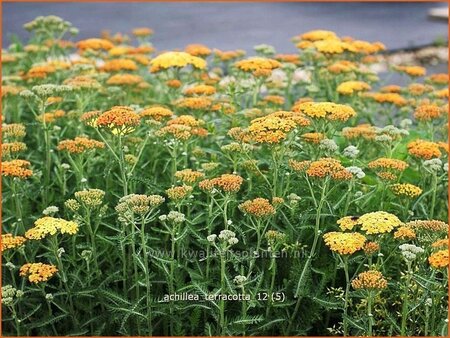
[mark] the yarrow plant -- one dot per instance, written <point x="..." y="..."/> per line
<point x="204" y="192"/>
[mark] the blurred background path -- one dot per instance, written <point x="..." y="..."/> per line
<point x="240" y="25"/>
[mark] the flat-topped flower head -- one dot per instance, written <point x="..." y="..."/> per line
<point x="439" y="259"/>
<point x="10" y="241"/>
<point x="195" y="103"/>
<point x="328" y="167"/>
<point x="117" y="65"/>
<point x="404" y="233"/>
<point x="126" y="80"/>
<point x="347" y="222"/>
<point x="137" y="204"/>
<point x="119" y="120"/>
<point x="344" y="243"/>
<point x="197" y="49"/>
<point x="91" y="198"/>
<point x="424" y="149"/>
<point x="49" y="226"/>
<point x="327" y="110"/>
<point x="200" y="90"/>
<point x="406" y="190"/>
<point x="157" y="113"/>
<point x="95" y="44"/>
<point x="16" y="168"/>
<point x="228" y="183"/>
<point x="270" y="129"/>
<point x="80" y="145"/>
<point x="378" y="222"/>
<point x="383" y="163"/>
<point x="38" y="272"/>
<point x="413" y="71"/>
<point x="370" y="280"/>
<point x="259" y="66"/>
<point x="428" y="226"/>
<point x="189" y="176"/>
<point x="428" y="112"/>
<point x="352" y="87"/>
<point x="179" y="193"/>
<point x="258" y="207"/>
<point x="177" y="60"/>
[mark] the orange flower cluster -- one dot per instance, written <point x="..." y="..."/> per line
<point x="427" y="112"/>
<point x="371" y="280"/>
<point x="95" y="44"/>
<point x="393" y="98"/>
<point x="258" y="207"/>
<point x="383" y="163"/>
<point x="117" y="65"/>
<point x="228" y="182"/>
<point x="439" y="259"/>
<point x="13" y="147"/>
<point x="16" y="168"/>
<point x="82" y="81"/>
<point x="197" y="49"/>
<point x="200" y="90"/>
<point x="424" y="149"/>
<point x="157" y="113"/>
<point x="313" y="137"/>
<point x="10" y="242"/>
<point x="120" y="120"/>
<point x="365" y="131"/>
<point x="414" y="71"/>
<point x="38" y="272"/>
<point x="405" y="232"/>
<point x="80" y="145"/>
<point x="195" y="103"/>
<point x="328" y="167"/>
<point x="125" y="80"/>
<point x="40" y="71"/>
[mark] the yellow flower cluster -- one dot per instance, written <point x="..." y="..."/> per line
<point x="38" y="272"/>
<point x="378" y="222"/>
<point x="270" y="129"/>
<point x="344" y="243"/>
<point x="328" y="110"/>
<point x="352" y="87"/>
<point x="347" y="222"/>
<point x="413" y="71"/>
<point x="176" y="59"/>
<point x="258" y="66"/>
<point x="370" y="280"/>
<point x="195" y="103"/>
<point x="189" y="176"/>
<point x="179" y="193"/>
<point x="51" y="226"/>
<point x="125" y="80"/>
<point x="406" y="189"/>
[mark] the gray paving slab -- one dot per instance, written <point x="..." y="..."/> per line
<point x="241" y="25"/>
